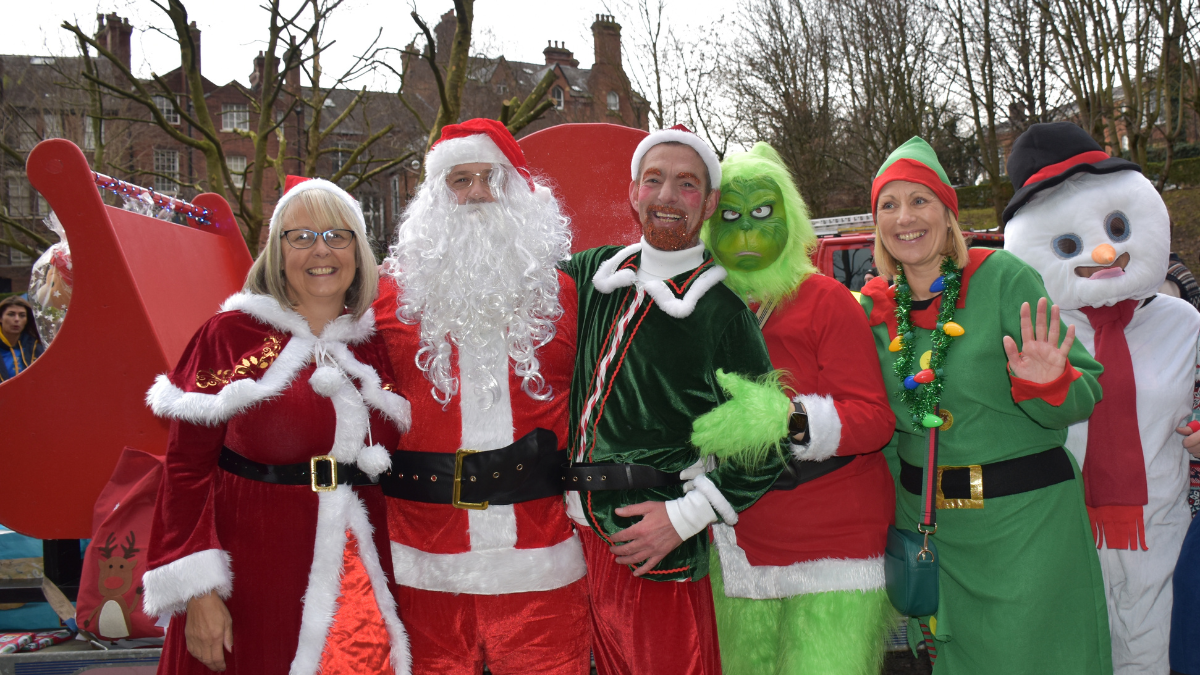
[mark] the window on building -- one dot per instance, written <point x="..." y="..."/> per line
<point x="1000" y="161"/>
<point x="372" y="206"/>
<point x="235" y="116"/>
<point x="18" y="197"/>
<point x="1125" y="143"/>
<point x="556" y="94"/>
<point x="338" y="159"/>
<point x="43" y="206"/>
<point x="166" y="168"/>
<point x="51" y="125"/>
<point x="237" y="167"/>
<point x="89" y="132"/>
<point x="27" y="137"/>
<point x="17" y="257"/>
<point x="167" y="109"/>
<point x="614" y="101"/>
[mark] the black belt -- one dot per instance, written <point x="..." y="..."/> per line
<point x="588" y="477"/>
<point x="530" y="468"/>
<point x="797" y="472"/>
<point x="965" y="487"/>
<point x="322" y="473"/>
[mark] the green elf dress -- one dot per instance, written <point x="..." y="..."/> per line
<point x="1020" y="583"/>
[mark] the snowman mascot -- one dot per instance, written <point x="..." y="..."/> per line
<point x="1099" y="234"/>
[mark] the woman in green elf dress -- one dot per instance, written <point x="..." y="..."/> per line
<point x="1019" y="580"/>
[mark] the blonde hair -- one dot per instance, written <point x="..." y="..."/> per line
<point x="955" y="247"/>
<point x="324" y="206"/>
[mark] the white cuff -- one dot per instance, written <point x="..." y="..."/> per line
<point x="824" y="429"/>
<point x="690" y="514"/>
<point x="706" y="487"/>
<point x="168" y="588"/>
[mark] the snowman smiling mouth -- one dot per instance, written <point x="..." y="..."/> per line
<point x="1117" y="269"/>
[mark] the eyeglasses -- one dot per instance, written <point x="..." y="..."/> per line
<point x="306" y="238"/>
<point x="461" y="182"/>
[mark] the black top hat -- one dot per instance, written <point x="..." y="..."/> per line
<point x="1047" y="154"/>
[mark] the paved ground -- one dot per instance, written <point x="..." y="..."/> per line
<point x="903" y="663"/>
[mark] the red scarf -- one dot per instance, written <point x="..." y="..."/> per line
<point x="1114" y="471"/>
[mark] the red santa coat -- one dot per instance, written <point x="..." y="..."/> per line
<point x="518" y="548"/>
<point x="828" y="534"/>
<point x="255" y="379"/>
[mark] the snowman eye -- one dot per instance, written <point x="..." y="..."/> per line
<point x="762" y="211"/>
<point x="1116" y="224"/>
<point x="1067" y="245"/>
<point x="730" y="214"/>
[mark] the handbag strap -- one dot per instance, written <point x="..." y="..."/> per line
<point x="929" y="483"/>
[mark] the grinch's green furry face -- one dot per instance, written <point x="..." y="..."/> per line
<point x="749" y="229"/>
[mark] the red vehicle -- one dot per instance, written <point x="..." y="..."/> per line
<point x="846" y="247"/>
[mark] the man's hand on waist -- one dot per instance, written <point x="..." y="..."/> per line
<point x="649" y="540"/>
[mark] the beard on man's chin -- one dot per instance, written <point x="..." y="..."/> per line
<point x="677" y="236"/>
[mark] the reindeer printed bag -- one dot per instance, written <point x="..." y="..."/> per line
<point x="110" y="591"/>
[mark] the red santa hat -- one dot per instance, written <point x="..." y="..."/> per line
<point x="679" y="134"/>
<point x="294" y="185"/>
<point x="476" y="141"/>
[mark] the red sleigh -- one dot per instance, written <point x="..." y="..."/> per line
<point x="142" y="287"/>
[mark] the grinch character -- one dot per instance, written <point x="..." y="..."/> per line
<point x="799" y="583"/>
<point x="1099" y="234"/>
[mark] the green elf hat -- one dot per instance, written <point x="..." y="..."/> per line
<point x="915" y="162"/>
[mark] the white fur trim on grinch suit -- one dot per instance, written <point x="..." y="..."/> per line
<point x="762" y="582"/>
<point x="476" y="149"/>
<point x="678" y="136"/>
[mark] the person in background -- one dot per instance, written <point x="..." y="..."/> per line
<point x="1180" y="282"/>
<point x="18" y="330"/>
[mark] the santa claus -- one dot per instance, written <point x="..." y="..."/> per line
<point x="480" y="327"/>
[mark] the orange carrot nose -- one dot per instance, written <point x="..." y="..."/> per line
<point x="1104" y="254"/>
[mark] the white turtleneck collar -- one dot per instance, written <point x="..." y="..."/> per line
<point x="657" y="265"/>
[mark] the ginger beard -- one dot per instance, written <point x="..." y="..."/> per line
<point x="483" y="278"/>
<point x="667" y="228"/>
<point x="669" y="197"/>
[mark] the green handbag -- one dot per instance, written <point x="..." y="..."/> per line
<point x="910" y="561"/>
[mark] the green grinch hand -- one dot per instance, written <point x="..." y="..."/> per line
<point x="749" y="425"/>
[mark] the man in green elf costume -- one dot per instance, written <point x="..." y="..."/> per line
<point x="671" y="370"/>
<point x="802" y="570"/>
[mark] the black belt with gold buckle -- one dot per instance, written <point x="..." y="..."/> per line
<point x="966" y="487"/>
<point x="593" y="477"/>
<point x="529" y="469"/>
<point x="321" y="473"/>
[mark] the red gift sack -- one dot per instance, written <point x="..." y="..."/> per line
<point x="110" y="590"/>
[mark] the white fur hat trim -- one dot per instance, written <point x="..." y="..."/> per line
<point x="678" y="136"/>
<point x="321" y="184"/>
<point x="477" y="148"/>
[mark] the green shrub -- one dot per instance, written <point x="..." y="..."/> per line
<point x="980" y="196"/>
<point x="1183" y="171"/>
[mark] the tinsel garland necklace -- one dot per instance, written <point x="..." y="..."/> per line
<point x="922" y="391"/>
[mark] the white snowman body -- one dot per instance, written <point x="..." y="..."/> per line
<point x="1097" y="240"/>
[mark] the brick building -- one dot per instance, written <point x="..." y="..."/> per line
<point x="44" y="97"/>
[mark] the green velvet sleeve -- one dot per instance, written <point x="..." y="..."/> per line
<point x="741" y="350"/>
<point x="1025" y="285"/>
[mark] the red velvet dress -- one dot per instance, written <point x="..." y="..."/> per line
<point x="305" y="575"/>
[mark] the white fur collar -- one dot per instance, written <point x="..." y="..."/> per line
<point x="608" y="279"/>
<point x="266" y="310"/>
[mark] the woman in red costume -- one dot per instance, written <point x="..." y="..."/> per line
<point x="270" y="548"/>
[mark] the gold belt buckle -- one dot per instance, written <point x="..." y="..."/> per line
<point x="312" y="473"/>
<point x="454" y="501"/>
<point x="976" y="500"/>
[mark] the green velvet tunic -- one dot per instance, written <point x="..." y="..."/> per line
<point x="661" y="378"/>
<point x="1020" y="583"/>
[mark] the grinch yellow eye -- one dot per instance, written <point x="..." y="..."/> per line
<point x="730" y="214"/>
<point x="762" y="211"/>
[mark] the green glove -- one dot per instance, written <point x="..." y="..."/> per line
<point x="748" y="426"/>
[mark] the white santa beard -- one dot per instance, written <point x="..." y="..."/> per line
<point x="482" y="276"/>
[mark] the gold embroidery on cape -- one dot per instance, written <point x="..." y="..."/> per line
<point x="261" y="361"/>
<point x="388" y="387"/>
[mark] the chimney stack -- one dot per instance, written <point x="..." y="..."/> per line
<point x="114" y="34"/>
<point x="606" y="34"/>
<point x="556" y="53"/>
<point x="443" y="33"/>
<point x="260" y="66"/>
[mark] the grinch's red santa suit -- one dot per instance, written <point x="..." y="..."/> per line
<point x="256" y="401"/>
<point x="1099" y="234"/>
<point x="480" y="327"/>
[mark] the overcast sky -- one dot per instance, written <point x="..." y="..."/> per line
<point x="234" y="30"/>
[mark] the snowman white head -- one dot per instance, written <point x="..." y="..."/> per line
<point x="1092" y="225"/>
